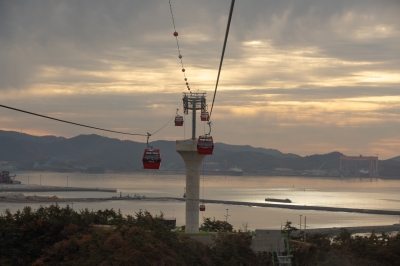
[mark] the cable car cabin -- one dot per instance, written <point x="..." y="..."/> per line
<point x="178" y="121"/>
<point x="151" y="159"/>
<point x="202" y="207"/>
<point x="205" y="145"/>
<point x="204" y="116"/>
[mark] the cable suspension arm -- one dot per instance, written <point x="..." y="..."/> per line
<point x="223" y="52"/>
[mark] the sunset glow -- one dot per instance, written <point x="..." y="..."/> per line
<point x="322" y="71"/>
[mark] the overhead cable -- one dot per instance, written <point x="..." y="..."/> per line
<point x="179" y="50"/>
<point x="168" y="121"/>
<point x="72" y="123"/>
<point x="223" y="52"/>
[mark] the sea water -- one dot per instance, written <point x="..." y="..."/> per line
<point x="365" y="193"/>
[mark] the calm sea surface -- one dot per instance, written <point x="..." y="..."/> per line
<point x="353" y="193"/>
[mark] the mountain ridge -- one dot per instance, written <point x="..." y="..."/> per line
<point x="397" y="159"/>
<point x="84" y="152"/>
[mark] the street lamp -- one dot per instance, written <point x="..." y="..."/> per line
<point x="226" y="216"/>
<point x="67" y="181"/>
<point x="305" y="227"/>
<point x="300" y="227"/>
<point x="300" y="222"/>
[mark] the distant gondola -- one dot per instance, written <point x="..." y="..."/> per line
<point x="178" y="121"/>
<point x="151" y="159"/>
<point x="202" y="207"/>
<point x="204" y="116"/>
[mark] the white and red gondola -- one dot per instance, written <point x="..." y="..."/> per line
<point x="178" y="121"/>
<point x="205" y="145"/>
<point x="204" y="116"/>
<point x="151" y="159"/>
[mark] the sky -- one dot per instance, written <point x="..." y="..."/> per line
<point x="301" y="76"/>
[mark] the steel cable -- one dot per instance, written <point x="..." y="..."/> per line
<point x="82" y="125"/>
<point x="223" y="52"/>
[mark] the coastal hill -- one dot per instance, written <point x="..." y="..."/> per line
<point x="397" y="159"/>
<point x="94" y="153"/>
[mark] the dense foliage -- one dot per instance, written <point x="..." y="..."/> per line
<point x="347" y="250"/>
<point x="216" y="225"/>
<point x="61" y="236"/>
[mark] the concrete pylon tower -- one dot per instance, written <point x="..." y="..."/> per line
<point x="188" y="150"/>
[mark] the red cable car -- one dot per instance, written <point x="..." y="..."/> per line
<point x="202" y="207"/>
<point x="205" y="145"/>
<point x="151" y="159"/>
<point x="204" y="116"/>
<point x="178" y="121"/>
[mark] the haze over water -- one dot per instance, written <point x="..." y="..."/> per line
<point x="351" y="193"/>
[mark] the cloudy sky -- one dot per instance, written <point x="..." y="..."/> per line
<point x="301" y="76"/>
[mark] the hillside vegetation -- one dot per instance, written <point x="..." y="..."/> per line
<point x="94" y="153"/>
<point x="62" y="236"/>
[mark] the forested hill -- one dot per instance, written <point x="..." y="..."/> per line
<point x="97" y="153"/>
<point x="397" y="159"/>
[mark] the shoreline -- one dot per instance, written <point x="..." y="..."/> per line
<point x="40" y="199"/>
<point x="36" y="188"/>
<point x="244" y="175"/>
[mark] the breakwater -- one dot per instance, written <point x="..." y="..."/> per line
<point x="289" y="206"/>
<point x="38" y="188"/>
<point x="239" y="203"/>
<point x="354" y="230"/>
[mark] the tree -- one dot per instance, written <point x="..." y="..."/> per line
<point x="343" y="238"/>
<point x="288" y="229"/>
<point x="216" y="225"/>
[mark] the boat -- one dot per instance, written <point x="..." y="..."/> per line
<point x="363" y="171"/>
<point x="234" y="171"/>
<point x="278" y="200"/>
